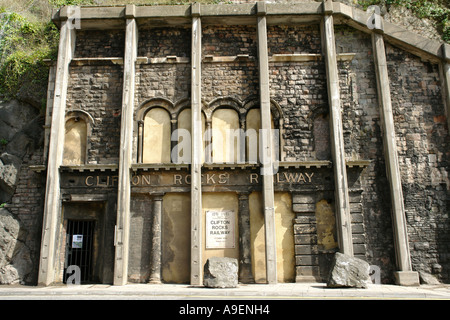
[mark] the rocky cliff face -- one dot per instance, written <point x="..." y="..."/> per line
<point x="21" y="136"/>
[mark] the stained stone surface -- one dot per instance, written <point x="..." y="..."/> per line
<point x="348" y="271"/>
<point x="221" y="273"/>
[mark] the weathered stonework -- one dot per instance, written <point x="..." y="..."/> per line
<point x="423" y="141"/>
<point x="229" y="75"/>
<point x="100" y="43"/>
<point x="97" y="90"/>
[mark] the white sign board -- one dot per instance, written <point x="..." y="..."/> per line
<point x="77" y="241"/>
<point x="220" y="229"/>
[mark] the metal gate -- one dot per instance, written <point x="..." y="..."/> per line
<point x="79" y="243"/>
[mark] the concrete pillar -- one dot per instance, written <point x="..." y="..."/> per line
<point x="245" y="258"/>
<point x="174" y="143"/>
<point x="445" y="71"/>
<point x="155" y="263"/>
<point x="140" y="146"/>
<point x="196" y="153"/>
<point x="342" y="203"/>
<point x="126" y="145"/>
<point x="208" y="142"/>
<point x="266" y="146"/>
<point x="52" y="206"/>
<point x="405" y="275"/>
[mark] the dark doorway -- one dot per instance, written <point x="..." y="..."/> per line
<point x="79" y="244"/>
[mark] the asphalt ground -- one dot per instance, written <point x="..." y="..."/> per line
<point x="297" y="291"/>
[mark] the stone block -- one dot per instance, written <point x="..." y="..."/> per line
<point x="304" y="198"/>
<point x="303" y="207"/>
<point x="407" y="278"/>
<point x="427" y="278"/>
<point x="306" y="249"/>
<point x="307" y="274"/>
<point x="220" y="273"/>
<point x="347" y="271"/>
<point x="307" y="260"/>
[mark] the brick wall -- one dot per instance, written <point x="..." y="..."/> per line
<point x="293" y="39"/>
<point x="162" y="42"/>
<point x="99" y="43"/>
<point x="98" y="91"/>
<point x="423" y="145"/>
<point x="229" y="40"/>
<point x="28" y="204"/>
<point x="300" y="89"/>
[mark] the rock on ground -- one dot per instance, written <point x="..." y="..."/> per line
<point x="347" y="271"/>
<point x="220" y="273"/>
<point x="426" y="278"/>
<point x="15" y="260"/>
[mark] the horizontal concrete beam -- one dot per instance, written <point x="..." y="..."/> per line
<point x="407" y="40"/>
<point x="112" y="17"/>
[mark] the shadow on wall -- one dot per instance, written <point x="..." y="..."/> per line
<point x="21" y="134"/>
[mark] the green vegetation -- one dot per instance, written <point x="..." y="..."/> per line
<point x="24" y="45"/>
<point x="435" y="10"/>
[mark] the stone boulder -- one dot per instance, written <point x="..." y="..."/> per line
<point x="9" y="175"/>
<point x="426" y="278"/>
<point x="220" y="273"/>
<point x="14" y="116"/>
<point x="15" y="259"/>
<point x="347" y="271"/>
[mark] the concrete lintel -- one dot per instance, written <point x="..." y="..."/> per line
<point x="292" y="8"/>
<point x="105" y="17"/>
<point x="295" y="57"/>
<point x="407" y="40"/>
<point x="229" y="10"/>
<point x="342" y="9"/>
<point x="96" y="61"/>
<point x="102" y="12"/>
<point x="411" y="42"/>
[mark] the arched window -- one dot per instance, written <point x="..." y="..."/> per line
<point x="183" y="150"/>
<point x="156" y="136"/>
<point x="78" y="128"/>
<point x="225" y="136"/>
<point x="75" y="141"/>
<point x="253" y="120"/>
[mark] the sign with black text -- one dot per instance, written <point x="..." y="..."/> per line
<point x="220" y="229"/>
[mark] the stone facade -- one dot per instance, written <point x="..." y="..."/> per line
<point x="298" y="85"/>
<point x="423" y="141"/>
